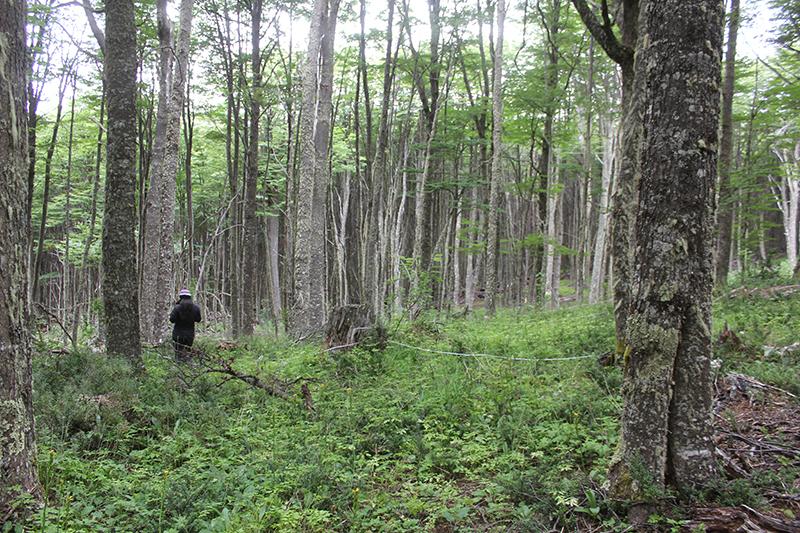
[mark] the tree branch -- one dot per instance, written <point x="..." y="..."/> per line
<point x="604" y="33"/>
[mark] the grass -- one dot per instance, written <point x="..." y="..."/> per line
<point x="402" y="440"/>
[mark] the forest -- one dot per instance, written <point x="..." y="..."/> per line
<point x="400" y="265"/>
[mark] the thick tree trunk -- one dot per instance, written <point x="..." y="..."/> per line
<point x="150" y="290"/>
<point x="308" y="313"/>
<point x="725" y="217"/>
<point x="497" y="162"/>
<point x="120" y="296"/>
<point x="17" y="445"/>
<point x="666" y="420"/>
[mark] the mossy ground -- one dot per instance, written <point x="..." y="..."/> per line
<point x="401" y="440"/>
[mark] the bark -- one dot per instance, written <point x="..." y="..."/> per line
<point x="667" y="390"/>
<point x="120" y="296"/>
<point x="308" y="312"/>
<point x="379" y="175"/>
<point x="188" y="139"/>
<point x="159" y="261"/>
<point x="251" y="178"/>
<point x="787" y="197"/>
<point x="585" y="233"/>
<point x="497" y="167"/>
<point x="599" y="262"/>
<point x="726" y="194"/>
<point x="622" y="212"/>
<point x="551" y="288"/>
<point x="17" y="444"/>
<point x="429" y="98"/>
<point x="151" y="246"/>
<point x="69" y="290"/>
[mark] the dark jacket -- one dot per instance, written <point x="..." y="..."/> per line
<point x="184" y="315"/>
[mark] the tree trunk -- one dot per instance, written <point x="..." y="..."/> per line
<point x="622" y="212"/>
<point x="120" y="296"/>
<point x="726" y="196"/>
<point x="17" y="445"/>
<point x="308" y="313"/>
<point x="251" y="232"/>
<point x="151" y="252"/>
<point x="497" y="162"/>
<point x="598" y="265"/>
<point x="667" y="390"/>
<point x="76" y="317"/>
<point x="48" y="166"/>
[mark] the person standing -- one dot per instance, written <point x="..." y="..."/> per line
<point x="184" y="315"/>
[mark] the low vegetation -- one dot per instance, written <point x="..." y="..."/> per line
<point x="399" y="439"/>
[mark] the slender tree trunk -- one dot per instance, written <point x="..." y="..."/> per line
<point x="497" y="162"/>
<point x="48" y="166"/>
<point x="251" y="232"/>
<point x="76" y="318"/>
<point x="667" y="391"/>
<point x="588" y="156"/>
<point x="17" y="444"/>
<point x="188" y="139"/>
<point x="599" y="262"/>
<point x="70" y="293"/>
<point x="120" y="296"/>
<point x="725" y="218"/>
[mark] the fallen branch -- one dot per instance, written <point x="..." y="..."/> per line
<point x="272" y="385"/>
<point x="765" y="292"/>
<point x="764" y="445"/>
<point x="742" y="518"/>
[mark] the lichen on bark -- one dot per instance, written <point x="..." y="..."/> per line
<point x="665" y="427"/>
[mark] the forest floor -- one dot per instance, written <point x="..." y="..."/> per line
<point x="402" y="439"/>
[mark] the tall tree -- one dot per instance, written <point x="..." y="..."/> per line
<point x="666" y="419"/>
<point x="726" y="196"/>
<point x="308" y="313"/>
<point x="158" y="261"/>
<point x="497" y="161"/>
<point x="17" y="444"/>
<point x="251" y="231"/>
<point x="120" y="294"/>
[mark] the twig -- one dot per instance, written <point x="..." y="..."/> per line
<point x="58" y="321"/>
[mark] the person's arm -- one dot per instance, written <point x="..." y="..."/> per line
<point x="173" y="316"/>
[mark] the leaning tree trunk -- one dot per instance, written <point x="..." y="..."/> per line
<point x="17" y="445"/>
<point x="666" y="419"/>
<point x="120" y="296"/>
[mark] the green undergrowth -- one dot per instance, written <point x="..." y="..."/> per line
<point x="400" y="440"/>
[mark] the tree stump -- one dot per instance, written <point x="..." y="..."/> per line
<point x="350" y="325"/>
